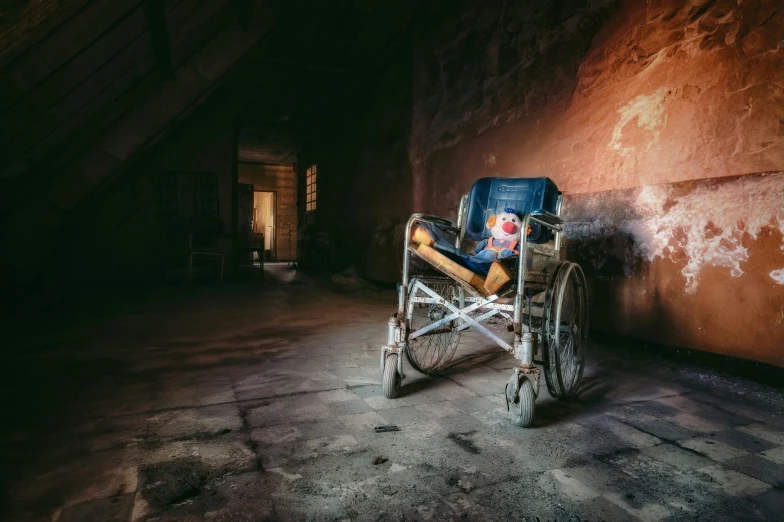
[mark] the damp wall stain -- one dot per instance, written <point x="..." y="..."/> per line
<point x="704" y="223"/>
<point x="696" y="264"/>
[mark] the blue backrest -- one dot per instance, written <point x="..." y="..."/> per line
<point x="491" y="196"/>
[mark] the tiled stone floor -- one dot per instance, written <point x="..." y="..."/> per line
<point x="258" y="402"/>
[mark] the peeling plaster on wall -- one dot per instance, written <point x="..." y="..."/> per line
<point x="707" y="225"/>
<point x="781" y="228"/>
<point x="648" y="111"/>
<point x="778" y="275"/>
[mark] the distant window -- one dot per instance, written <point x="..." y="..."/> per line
<point x="310" y="193"/>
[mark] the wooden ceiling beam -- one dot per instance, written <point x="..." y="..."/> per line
<point x="156" y="16"/>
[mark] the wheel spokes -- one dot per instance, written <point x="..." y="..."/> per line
<point x="566" y="340"/>
<point x="430" y="352"/>
<point x="566" y="323"/>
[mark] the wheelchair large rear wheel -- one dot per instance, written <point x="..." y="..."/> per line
<point x="565" y="331"/>
<point x="431" y="352"/>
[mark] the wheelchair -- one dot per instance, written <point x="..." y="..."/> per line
<point x="544" y="304"/>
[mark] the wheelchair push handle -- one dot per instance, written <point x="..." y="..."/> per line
<point x="547" y="219"/>
<point x="431" y="219"/>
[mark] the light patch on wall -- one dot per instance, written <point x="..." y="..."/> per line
<point x="781" y="229"/>
<point x="648" y="112"/>
<point x="707" y="225"/>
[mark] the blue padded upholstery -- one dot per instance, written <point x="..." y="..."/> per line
<point x="491" y="196"/>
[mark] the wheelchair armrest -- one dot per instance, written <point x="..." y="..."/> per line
<point x="438" y="221"/>
<point x="432" y="219"/>
<point x="546" y="218"/>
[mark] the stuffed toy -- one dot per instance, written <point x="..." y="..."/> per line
<point x="504" y="237"/>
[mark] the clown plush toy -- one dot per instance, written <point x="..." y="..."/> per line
<point x="504" y="237"/>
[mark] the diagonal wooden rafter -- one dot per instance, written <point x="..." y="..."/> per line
<point x="148" y="121"/>
<point x="156" y="17"/>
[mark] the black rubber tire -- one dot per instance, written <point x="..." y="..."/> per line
<point x="390" y="383"/>
<point x="521" y="411"/>
<point x="551" y="296"/>
<point x="565" y="350"/>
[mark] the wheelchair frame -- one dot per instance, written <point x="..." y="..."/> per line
<point x="523" y="387"/>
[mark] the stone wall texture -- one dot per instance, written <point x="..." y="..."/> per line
<point x="661" y="121"/>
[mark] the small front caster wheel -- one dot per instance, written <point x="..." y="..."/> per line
<point x="521" y="406"/>
<point x="391" y="380"/>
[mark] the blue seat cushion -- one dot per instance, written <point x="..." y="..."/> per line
<point x="464" y="260"/>
<point x="443" y="243"/>
<point x="490" y="196"/>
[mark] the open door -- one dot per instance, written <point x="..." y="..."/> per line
<point x="245" y="220"/>
<point x="264" y="208"/>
